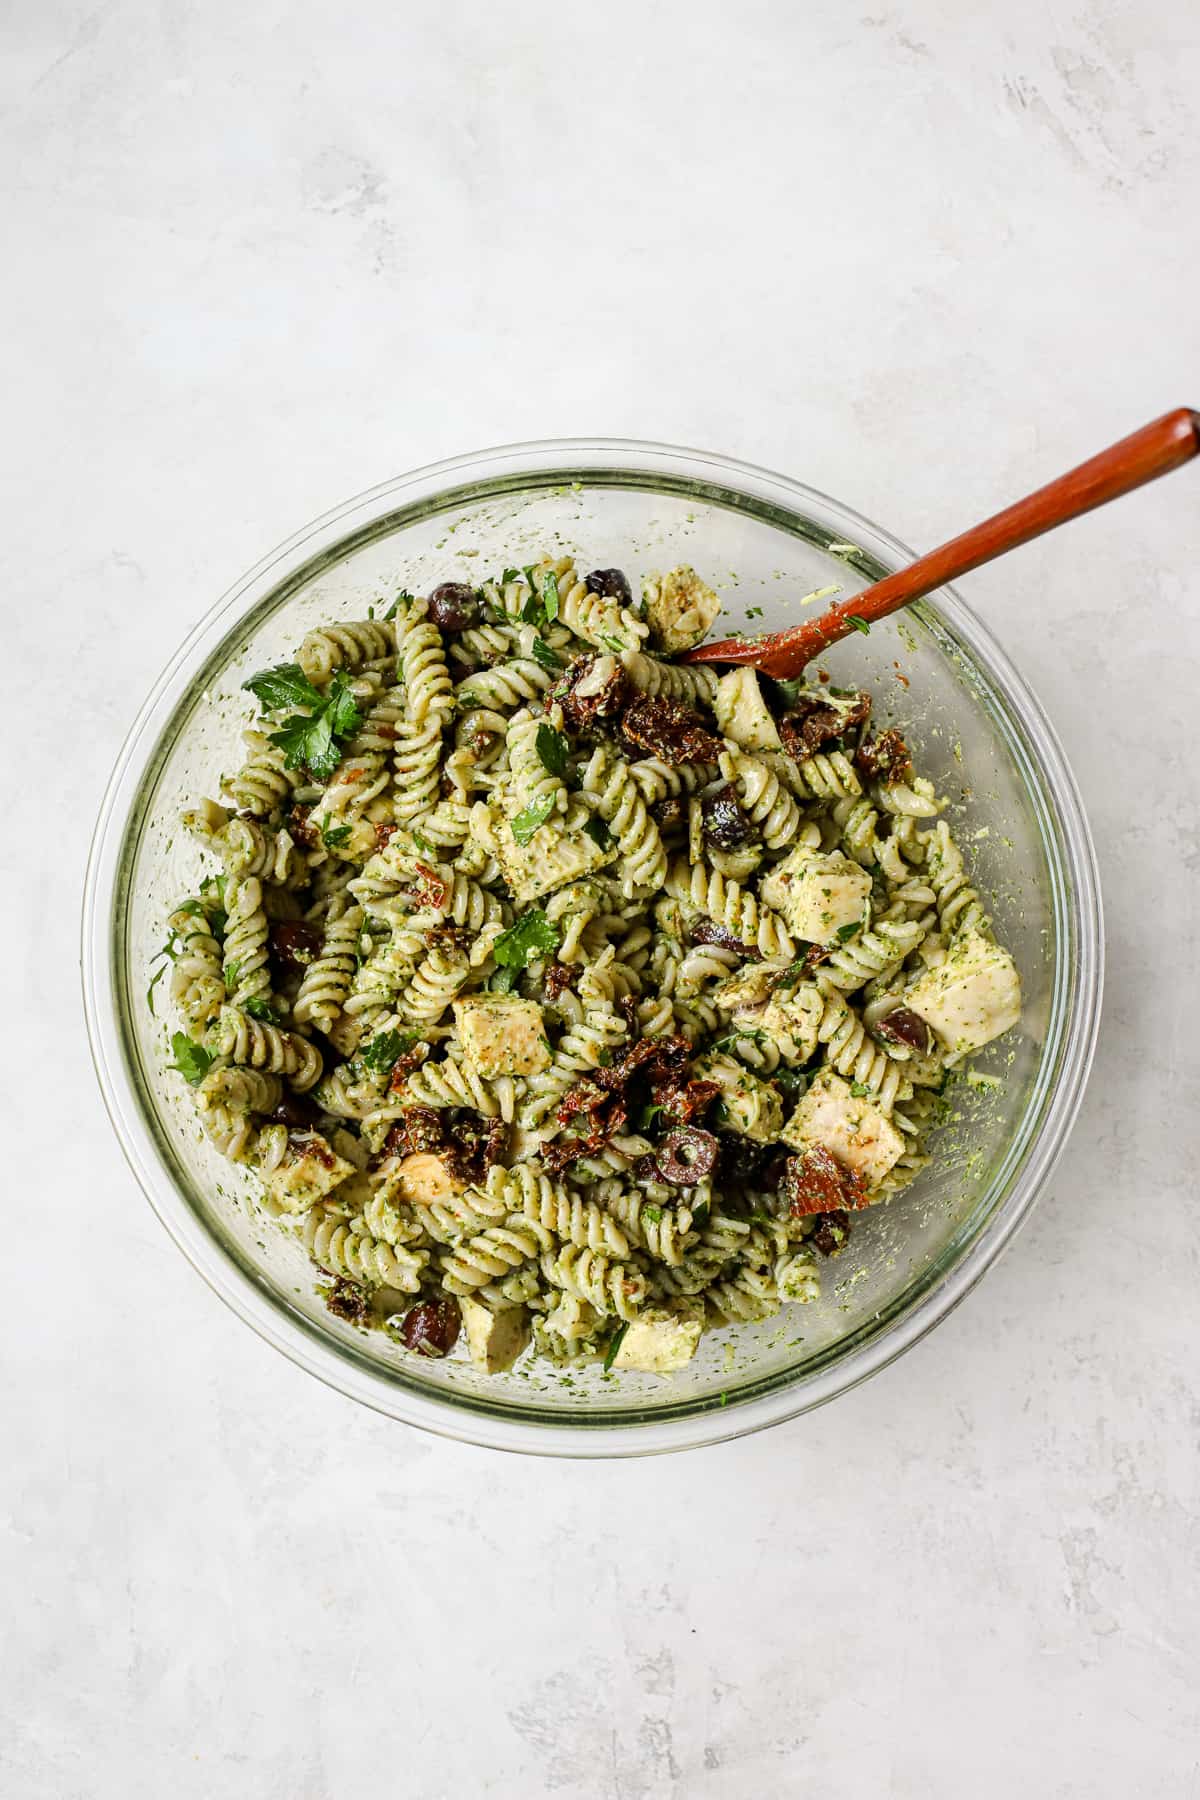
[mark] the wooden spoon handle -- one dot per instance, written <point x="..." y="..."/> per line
<point x="1154" y="450"/>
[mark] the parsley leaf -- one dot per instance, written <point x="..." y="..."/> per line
<point x="192" y="1061"/>
<point x="532" y="819"/>
<point x="509" y="575"/>
<point x="334" y="836"/>
<point x="612" y="643"/>
<point x="154" y="981"/>
<point x="532" y="935"/>
<point x="598" y="831"/>
<point x="403" y="598"/>
<point x="284" y="685"/>
<point x="258" y="1008"/>
<point x="383" y="1052"/>
<point x="308" y="740"/>
<point x="860" y="1090"/>
<point x="614" y="1344"/>
<point x="552" y="750"/>
<point x="422" y="843"/>
<point x="543" y="654"/>
<point x="858" y="624"/>
<point x="550" y="597"/>
<point x="344" y="716"/>
<point x="846" y="932"/>
<point x="653" y="1213"/>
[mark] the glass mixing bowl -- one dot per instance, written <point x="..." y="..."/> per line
<point x="764" y="542"/>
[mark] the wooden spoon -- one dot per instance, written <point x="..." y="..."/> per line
<point x="1153" y="451"/>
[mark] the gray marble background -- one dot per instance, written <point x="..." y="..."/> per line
<point x="259" y="256"/>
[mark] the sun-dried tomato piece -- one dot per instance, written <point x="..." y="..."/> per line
<point x="346" y="1300"/>
<point x="884" y="758"/>
<point x="683" y="1099"/>
<point x="593" y="691"/>
<point x="670" y="812"/>
<point x="429" y="890"/>
<point x="474" y="1145"/>
<point x="301" y="828"/>
<point x="403" y="1066"/>
<point x="832" y="1233"/>
<point x="431" y="1327"/>
<point x="556" y="976"/>
<point x="294" y="943"/>
<point x="302" y="1142"/>
<point x="725" y="824"/>
<point x="655" y="726"/>
<point x="812" y="721"/>
<point x="385" y="831"/>
<point x="902" y="1026"/>
<point x="816" y="1182"/>
<point x="419" y="1129"/>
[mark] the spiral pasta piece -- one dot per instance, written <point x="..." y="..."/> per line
<point x="693" y="683"/>
<point x="333" y="647"/>
<point x="491" y="1255"/>
<point x="725" y="903"/>
<point x="438" y="977"/>
<point x="197" y="973"/>
<point x="505" y="686"/>
<point x="247" y="972"/>
<point x="597" y="618"/>
<point x="345" y="1247"/>
<point x="254" y="1044"/>
<point x="762" y="795"/>
<point x="264" y="784"/>
<point x="608" y="1285"/>
<point x="618" y="801"/>
<point x="326" y="984"/>
<point x="569" y="1216"/>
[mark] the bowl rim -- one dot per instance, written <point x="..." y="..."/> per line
<point x="705" y="1421"/>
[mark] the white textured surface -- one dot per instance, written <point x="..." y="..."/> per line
<point x="260" y="256"/>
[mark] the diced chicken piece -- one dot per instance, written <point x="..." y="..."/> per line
<point x="501" y="1034"/>
<point x="819" y="896"/>
<point x="749" y="989"/>
<point x="559" y="851"/>
<point x="848" y="1125"/>
<point x="422" y="1179"/>
<point x="971" y="997"/>
<point x="310" y="1170"/>
<point x="679" y="608"/>
<point x="658" y="1342"/>
<point x="743" y="714"/>
<point x="752" y="1106"/>
<point x="495" y="1339"/>
<point x="792" y="1019"/>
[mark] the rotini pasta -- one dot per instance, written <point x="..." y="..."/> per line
<point x="537" y="972"/>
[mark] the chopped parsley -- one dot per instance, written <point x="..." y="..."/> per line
<point x="612" y="643"/>
<point x="381" y="1055"/>
<point x="552" y="750"/>
<point x="653" y="1213"/>
<point x="545" y="656"/>
<point x="532" y="935"/>
<point x="598" y="831"/>
<point x="532" y="819"/>
<point x="310" y="740"/>
<point x="858" y="624"/>
<point x="334" y="836"/>
<point x="614" y="1344"/>
<point x="846" y="932"/>
<point x="258" y="1008"/>
<point x="284" y="685"/>
<point x="192" y="1060"/>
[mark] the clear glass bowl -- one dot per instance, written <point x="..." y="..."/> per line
<point x="764" y="541"/>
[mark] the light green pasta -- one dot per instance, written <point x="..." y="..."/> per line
<point x="483" y="984"/>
